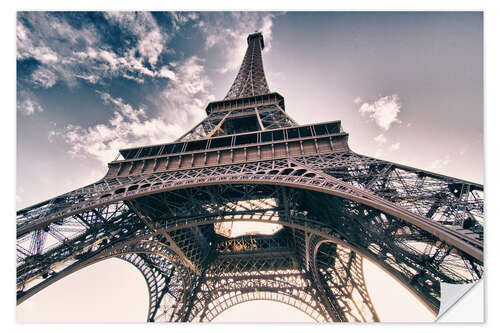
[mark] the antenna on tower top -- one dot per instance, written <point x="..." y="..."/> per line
<point x="256" y="35"/>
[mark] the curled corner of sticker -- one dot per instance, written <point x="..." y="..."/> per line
<point x="460" y="304"/>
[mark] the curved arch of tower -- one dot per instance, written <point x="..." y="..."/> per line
<point x="171" y="210"/>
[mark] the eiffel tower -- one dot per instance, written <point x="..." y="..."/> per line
<point x="171" y="210"/>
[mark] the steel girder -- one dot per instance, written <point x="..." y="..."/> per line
<point x="205" y="127"/>
<point x="163" y="281"/>
<point x="269" y="116"/>
<point x="275" y="273"/>
<point x="416" y="257"/>
<point x="298" y="173"/>
<point x="256" y="281"/>
<point x="338" y="273"/>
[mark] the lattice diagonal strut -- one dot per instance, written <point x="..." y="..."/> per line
<point x="161" y="209"/>
<point x="251" y="80"/>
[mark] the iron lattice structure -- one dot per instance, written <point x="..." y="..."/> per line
<point x="168" y="210"/>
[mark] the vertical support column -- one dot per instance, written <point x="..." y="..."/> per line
<point x="339" y="277"/>
<point x="328" y="301"/>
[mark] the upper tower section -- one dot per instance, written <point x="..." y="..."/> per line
<point x="250" y="124"/>
<point x="251" y="80"/>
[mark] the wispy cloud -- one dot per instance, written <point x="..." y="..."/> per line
<point x="380" y="139"/>
<point x="395" y="146"/>
<point x="384" y="111"/>
<point x="439" y="165"/>
<point x="124" y="108"/>
<point x="230" y="32"/>
<point x="66" y="53"/>
<point x="27" y="103"/>
<point x="180" y="104"/>
<point x="44" y="77"/>
<point x="184" y="99"/>
<point x="54" y="43"/>
<point x="128" y="127"/>
<point x="181" y="18"/>
<point x="151" y="39"/>
<point x="382" y="151"/>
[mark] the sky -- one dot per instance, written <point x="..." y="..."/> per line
<point x="408" y="87"/>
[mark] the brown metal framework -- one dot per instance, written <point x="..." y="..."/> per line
<point x="248" y="161"/>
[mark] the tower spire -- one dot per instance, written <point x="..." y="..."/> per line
<point x="251" y="80"/>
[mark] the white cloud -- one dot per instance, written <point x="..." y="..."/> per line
<point x="90" y="78"/>
<point x="440" y="164"/>
<point x="380" y="139"/>
<point x="193" y="16"/>
<point x="67" y="53"/>
<point x="125" y="109"/>
<point x="110" y="57"/>
<point x="267" y="29"/>
<point x="29" y="107"/>
<point x="181" y="18"/>
<point x="166" y="73"/>
<point x="45" y="55"/>
<point x="70" y="54"/>
<point x="55" y="44"/>
<point x="357" y="100"/>
<point x="27" y="47"/>
<point x="184" y="99"/>
<point x="44" y="77"/>
<point x="27" y="103"/>
<point x="128" y="127"/>
<point x="395" y="146"/>
<point x="230" y="32"/>
<point x="143" y="25"/>
<point x="178" y="19"/>
<point x="199" y="24"/>
<point x="181" y="104"/>
<point x="151" y="46"/>
<point x="383" y="111"/>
